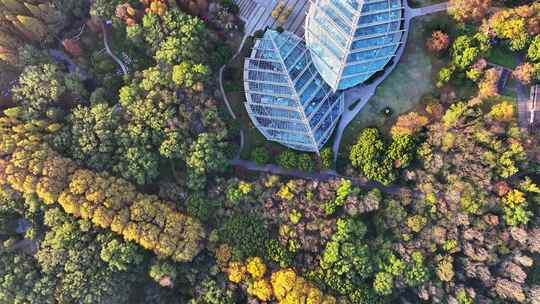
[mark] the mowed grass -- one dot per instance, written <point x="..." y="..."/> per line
<point x="413" y="78"/>
<point x="501" y="55"/>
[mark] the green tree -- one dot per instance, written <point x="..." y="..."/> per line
<point x="533" y="52"/>
<point x="383" y="283"/>
<point x="260" y="155"/>
<point x="368" y="154"/>
<point x="22" y="281"/>
<point x="70" y="254"/>
<point x="39" y="90"/>
<point x="207" y="155"/>
<point x="93" y="138"/>
<point x="417" y="273"/>
<point x="287" y="160"/>
<point x="174" y="37"/>
<point x="401" y="151"/>
<point x="464" y="53"/>
<point x="211" y="293"/>
<point x="246" y="234"/>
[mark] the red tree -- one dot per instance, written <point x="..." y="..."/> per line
<point x="72" y="46"/>
<point x="438" y="42"/>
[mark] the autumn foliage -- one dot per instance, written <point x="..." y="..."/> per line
<point x="438" y="42"/>
<point x="32" y="167"/>
<point x="488" y="85"/>
<point x="468" y="10"/>
<point x="524" y="73"/>
<point x="283" y="285"/>
<point x="408" y="124"/>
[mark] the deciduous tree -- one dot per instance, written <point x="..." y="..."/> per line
<point x="468" y="10"/>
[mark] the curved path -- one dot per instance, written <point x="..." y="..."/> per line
<point x="61" y="56"/>
<point x="104" y="28"/>
<point x="320" y="176"/>
<point x="365" y="92"/>
<point x="226" y="99"/>
<point x="222" y="69"/>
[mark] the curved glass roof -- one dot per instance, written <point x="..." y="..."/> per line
<point x="287" y="99"/>
<point x="350" y="40"/>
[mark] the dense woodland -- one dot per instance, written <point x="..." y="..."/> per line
<point x="116" y="185"/>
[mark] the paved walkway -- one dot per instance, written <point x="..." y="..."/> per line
<point x="533" y="109"/>
<point x="528" y="105"/>
<point x="523" y="96"/>
<point x="105" y="27"/>
<point x="365" y="92"/>
<point x="257" y="15"/>
<point x="321" y="176"/>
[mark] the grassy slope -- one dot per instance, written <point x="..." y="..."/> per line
<point x="413" y="78"/>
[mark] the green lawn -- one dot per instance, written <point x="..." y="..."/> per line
<point x="413" y="78"/>
<point x="501" y="55"/>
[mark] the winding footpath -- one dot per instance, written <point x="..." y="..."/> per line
<point x="319" y="176"/>
<point x="105" y="27"/>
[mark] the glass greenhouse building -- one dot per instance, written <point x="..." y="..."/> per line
<point x="350" y="40"/>
<point x="287" y="99"/>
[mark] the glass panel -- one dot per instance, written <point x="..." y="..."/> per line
<point x="351" y="82"/>
<point x="274" y="112"/>
<point x="280" y="124"/>
<point x="272" y="100"/>
<point x="271" y="89"/>
<point x="267" y="77"/>
<point x="264" y="65"/>
<point x="371" y="66"/>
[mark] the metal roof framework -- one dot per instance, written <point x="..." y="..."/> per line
<point x="350" y="40"/>
<point x="287" y="99"/>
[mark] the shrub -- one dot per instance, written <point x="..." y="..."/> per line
<point x="260" y="155"/>
<point x="326" y="159"/>
<point x="287" y="160"/>
<point x="305" y="162"/>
